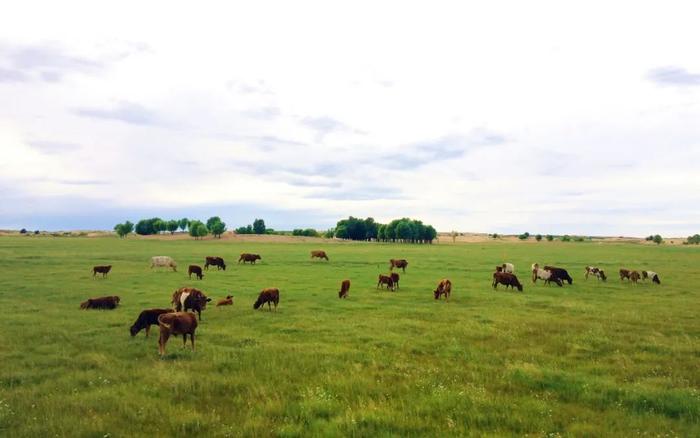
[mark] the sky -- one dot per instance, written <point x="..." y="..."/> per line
<point x="501" y="116"/>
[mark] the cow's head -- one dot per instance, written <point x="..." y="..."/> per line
<point x="257" y="257"/>
<point x="602" y="275"/>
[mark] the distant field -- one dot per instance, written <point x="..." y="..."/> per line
<point x="592" y="359"/>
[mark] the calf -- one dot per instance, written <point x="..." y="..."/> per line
<point x="344" y="289"/>
<point x="163" y="262"/>
<point x="104" y="270"/>
<point x="319" y="254"/>
<point x="398" y="263"/>
<point x="547" y="276"/>
<point x="593" y="270"/>
<point x="101" y="303"/>
<point x="385" y="279"/>
<point x="179" y="323"/>
<point x="249" y="258"/>
<point x="506" y="279"/>
<point x="560" y="274"/>
<point x="395" y="278"/>
<point x="146" y="319"/>
<point x="196" y="270"/>
<point x="214" y="261"/>
<point x="187" y="298"/>
<point x="269" y="295"/>
<point x="228" y="301"/>
<point x="653" y="275"/>
<point x="444" y="287"/>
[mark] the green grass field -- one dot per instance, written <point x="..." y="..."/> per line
<point x="592" y="359"/>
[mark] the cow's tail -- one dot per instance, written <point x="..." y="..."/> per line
<point x="161" y="322"/>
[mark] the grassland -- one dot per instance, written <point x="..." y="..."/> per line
<point x="592" y="359"/>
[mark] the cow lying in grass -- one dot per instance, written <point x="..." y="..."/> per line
<point x="178" y="323"/>
<point x="104" y="270"/>
<point x="269" y="295"/>
<point x="444" y="287"/>
<point x="228" y="301"/>
<point x="507" y="280"/>
<point x="101" y="303"/>
<point x="146" y="319"/>
<point x="344" y="289"/>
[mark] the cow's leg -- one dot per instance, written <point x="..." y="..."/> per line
<point x="184" y="340"/>
<point x="192" y="340"/>
<point x="148" y="328"/>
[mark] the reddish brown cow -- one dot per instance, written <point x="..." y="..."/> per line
<point x="178" y="323"/>
<point x="228" y="301"/>
<point x="146" y="319"/>
<point x="398" y="263"/>
<point x="344" y="289"/>
<point x="101" y="303"/>
<point x="634" y="276"/>
<point x="506" y="279"/>
<point x="196" y="270"/>
<point x="319" y="254"/>
<point x="625" y="273"/>
<point x="187" y="298"/>
<point x="269" y="295"/>
<point x="444" y="287"/>
<point x="249" y="258"/>
<point x="103" y="269"/>
<point x="385" y="279"/>
<point x="395" y="278"/>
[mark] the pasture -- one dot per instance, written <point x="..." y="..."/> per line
<point x="591" y="359"/>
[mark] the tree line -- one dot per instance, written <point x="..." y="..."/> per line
<point x="399" y="230"/>
<point x="197" y="229"/>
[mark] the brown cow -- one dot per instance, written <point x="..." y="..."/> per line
<point x="443" y="288"/>
<point x="178" y="323"/>
<point x="196" y="270"/>
<point x="625" y="273"/>
<point x="101" y="303"/>
<point x="597" y="272"/>
<point x="634" y="276"/>
<point x="249" y="258"/>
<point x="104" y="270"/>
<point x="507" y="279"/>
<point x="398" y="263"/>
<point x="228" y="301"/>
<point x="319" y="254"/>
<point x="214" y="261"/>
<point x="385" y="279"/>
<point x="395" y="278"/>
<point x="269" y="295"/>
<point x="344" y="289"/>
<point x="146" y="319"/>
<point x="187" y="298"/>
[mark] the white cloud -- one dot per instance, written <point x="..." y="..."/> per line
<point x="495" y="117"/>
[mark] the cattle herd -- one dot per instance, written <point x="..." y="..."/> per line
<point x="180" y="319"/>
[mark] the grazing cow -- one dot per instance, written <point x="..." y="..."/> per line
<point x="146" y="319"/>
<point x="546" y="276"/>
<point x="196" y="270"/>
<point x="344" y="289"/>
<point x="395" y="278"/>
<point x="104" y="270"/>
<point x="101" y="303"/>
<point x="187" y="298"/>
<point x="444" y="287"/>
<point x="249" y="258"/>
<point x="508" y="267"/>
<point x="385" y="279"/>
<point x="228" y="301"/>
<point x="559" y="273"/>
<point x="163" y="262"/>
<point x="506" y="279"/>
<point x="269" y="295"/>
<point x="653" y="275"/>
<point x="214" y="261"/>
<point x="625" y="273"/>
<point x="178" y="323"/>
<point x="634" y="276"/>
<point x="398" y="263"/>
<point x="593" y="270"/>
<point x="319" y="254"/>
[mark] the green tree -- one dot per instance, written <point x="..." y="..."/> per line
<point x="524" y="236"/>
<point x="159" y="226"/>
<point x="538" y="237"/>
<point x="657" y="239"/>
<point x="183" y="223"/>
<point x="329" y="233"/>
<point x="172" y="226"/>
<point x="124" y="229"/>
<point x="146" y="227"/>
<point x="549" y="237"/>
<point x="259" y="226"/>
<point x="217" y="229"/>
<point x="198" y="229"/>
<point x="212" y="220"/>
<point x="694" y="239"/>
<point x="565" y="238"/>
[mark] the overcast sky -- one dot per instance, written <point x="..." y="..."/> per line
<point x="549" y="117"/>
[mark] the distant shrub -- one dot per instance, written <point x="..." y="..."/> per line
<point x="694" y="239"/>
<point x="23" y="231"/>
<point x="329" y="233"/>
<point x="549" y="237"/>
<point x="565" y="238"/>
<point x="495" y="235"/>
<point x="36" y="231"/>
<point x="657" y="239"/>
<point x="579" y="239"/>
<point x="524" y="236"/>
<point x="245" y="230"/>
<point x="538" y="237"/>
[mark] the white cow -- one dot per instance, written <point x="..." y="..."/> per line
<point x="163" y="262"/>
<point x="508" y="267"/>
<point x="651" y="274"/>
